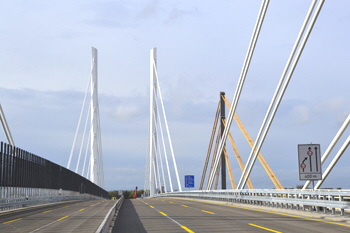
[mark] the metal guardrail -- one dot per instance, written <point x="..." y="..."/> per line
<point x="113" y="212"/>
<point x="20" y="202"/>
<point x="311" y="200"/>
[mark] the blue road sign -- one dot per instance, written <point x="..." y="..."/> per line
<point x="189" y="181"/>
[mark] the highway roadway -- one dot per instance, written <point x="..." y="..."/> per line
<point x="182" y="215"/>
<point x="82" y="216"/>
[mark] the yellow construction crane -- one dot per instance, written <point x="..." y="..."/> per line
<point x="262" y="160"/>
<point x="238" y="157"/>
<point x="229" y="170"/>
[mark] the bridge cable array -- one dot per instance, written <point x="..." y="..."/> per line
<point x="281" y="88"/>
<point x="292" y="62"/>
<point x="248" y="58"/>
<point x="158" y="147"/>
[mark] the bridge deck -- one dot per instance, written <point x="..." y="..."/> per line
<point x="180" y="215"/>
<point x="83" y="216"/>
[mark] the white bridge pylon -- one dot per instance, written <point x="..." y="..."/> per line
<point x="156" y="181"/>
<point x="90" y="149"/>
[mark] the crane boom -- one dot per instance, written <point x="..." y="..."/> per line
<point x="250" y="141"/>
<point x="238" y="157"/>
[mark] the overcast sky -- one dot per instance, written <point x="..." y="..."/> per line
<point x="45" y="66"/>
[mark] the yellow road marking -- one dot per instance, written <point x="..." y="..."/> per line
<point x="186" y="229"/>
<point x="163" y="213"/>
<point x="264" y="228"/>
<point x="81" y="209"/>
<point x="293" y="216"/>
<point x="171" y="202"/>
<point x="146" y="203"/>
<point x="270" y="212"/>
<point x="151" y="206"/>
<point x="62" y="218"/>
<point x="91" y="205"/>
<point x="47" y="211"/>
<point x="184" y="205"/>
<point x="12" y="221"/>
<point x="207" y="212"/>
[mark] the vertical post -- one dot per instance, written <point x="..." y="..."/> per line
<point x="94" y="124"/>
<point x="222" y="128"/>
<point x="152" y="120"/>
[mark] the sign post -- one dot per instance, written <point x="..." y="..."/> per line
<point x="189" y="181"/>
<point x="309" y="158"/>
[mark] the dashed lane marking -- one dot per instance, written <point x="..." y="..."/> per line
<point x="267" y="229"/>
<point x="208" y="212"/>
<point x="63" y="218"/>
<point x="163" y="213"/>
<point x="12" y="221"/>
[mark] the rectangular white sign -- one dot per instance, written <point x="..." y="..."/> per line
<point x="309" y="158"/>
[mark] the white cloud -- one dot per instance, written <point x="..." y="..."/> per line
<point x="126" y="113"/>
<point x="300" y="114"/>
<point x="335" y="103"/>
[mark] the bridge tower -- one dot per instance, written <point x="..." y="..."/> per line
<point x="96" y="162"/>
<point x="156" y="180"/>
<point x="152" y="119"/>
<point x="92" y="167"/>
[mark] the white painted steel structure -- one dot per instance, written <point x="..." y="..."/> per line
<point x="154" y="169"/>
<point x="281" y="88"/>
<point x="292" y="62"/>
<point x="92" y="167"/>
<point x="238" y="91"/>
<point x="96" y="161"/>
<point x="155" y="178"/>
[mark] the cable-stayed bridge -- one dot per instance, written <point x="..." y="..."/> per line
<point x="29" y="178"/>
<point x="22" y="171"/>
<point x="310" y="198"/>
<point x="217" y="150"/>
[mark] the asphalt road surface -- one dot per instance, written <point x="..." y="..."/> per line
<point x="182" y="215"/>
<point x="83" y="216"/>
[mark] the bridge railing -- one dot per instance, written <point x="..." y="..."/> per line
<point x="311" y="200"/>
<point x="112" y="215"/>
<point x="20" y="202"/>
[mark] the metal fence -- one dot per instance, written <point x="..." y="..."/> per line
<point x="328" y="201"/>
<point x="24" y="170"/>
